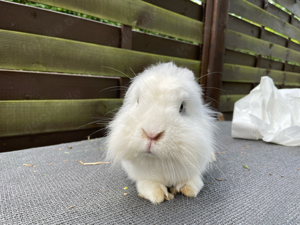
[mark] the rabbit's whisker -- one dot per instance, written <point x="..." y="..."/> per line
<point x="120" y="87"/>
<point x="96" y="121"/>
<point x="132" y="71"/>
<point x="207" y="75"/>
<point x="117" y="71"/>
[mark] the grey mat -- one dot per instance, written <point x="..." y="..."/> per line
<point x="96" y="192"/>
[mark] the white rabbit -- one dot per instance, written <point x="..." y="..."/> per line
<point x="163" y="134"/>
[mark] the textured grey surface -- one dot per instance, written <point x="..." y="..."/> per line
<point x="246" y="197"/>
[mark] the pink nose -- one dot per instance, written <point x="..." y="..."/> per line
<point x="152" y="136"/>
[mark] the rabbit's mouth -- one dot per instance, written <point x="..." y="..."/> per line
<point x="150" y="143"/>
<point x="149" y="151"/>
<point x="150" y="154"/>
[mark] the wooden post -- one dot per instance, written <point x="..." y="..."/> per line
<point x="217" y="51"/>
<point x="207" y="19"/>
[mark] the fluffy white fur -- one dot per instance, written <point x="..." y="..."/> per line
<point x="183" y="152"/>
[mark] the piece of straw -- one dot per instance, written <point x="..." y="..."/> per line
<point x="93" y="163"/>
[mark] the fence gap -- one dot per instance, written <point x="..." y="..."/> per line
<point x="126" y="43"/>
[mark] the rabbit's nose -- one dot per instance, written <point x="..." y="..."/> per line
<point x="151" y="135"/>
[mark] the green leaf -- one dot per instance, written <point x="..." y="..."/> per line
<point x="245" y="166"/>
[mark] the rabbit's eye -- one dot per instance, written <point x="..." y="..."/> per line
<point x="181" y="107"/>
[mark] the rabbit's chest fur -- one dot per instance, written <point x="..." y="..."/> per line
<point x="168" y="172"/>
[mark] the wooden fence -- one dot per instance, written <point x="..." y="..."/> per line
<point x="262" y="42"/>
<point x="57" y="71"/>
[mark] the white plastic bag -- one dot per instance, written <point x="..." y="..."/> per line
<point x="269" y="114"/>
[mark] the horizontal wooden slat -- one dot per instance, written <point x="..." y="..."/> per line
<point x="138" y="14"/>
<point x="260" y="16"/>
<point x="48" y="54"/>
<point x="25" y="85"/>
<point x="183" y="7"/>
<point x="40" y="116"/>
<point x="163" y="46"/>
<point x="242" y="26"/>
<point x="294" y="46"/>
<point x="46" y="139"/>
<point x="295" y="22"/>
<point x="235" y="40"/>
<point x="270" y="64"/>
<point x="290" y="5"/>
<point x="292" y="68"/>
<point x="274" y="38"/>
<point x="292" y="79"/>
<point x="17" y="17"/>
<point x="229" y="88"/>
<point x="245" y="74"/>
<point x="227" y="102"/>
<point x="259" y="3"/>
<point x="239" y="58"/>
<point x="24" y="18"/>
<point x="278" y="12"/>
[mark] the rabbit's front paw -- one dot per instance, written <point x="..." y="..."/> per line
<point x="169" y="197"/>
<point x="154" y="192"/>
<point x="188" y="191"/>
<point x="192" y="187"/>
<point x="173" y="190"/>
<point x="157" y="195"/>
